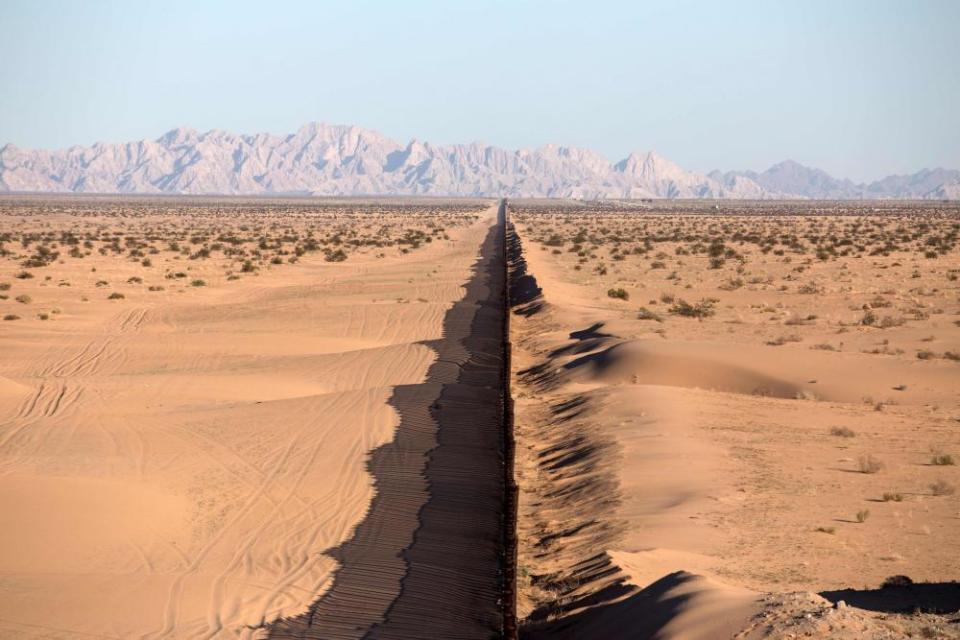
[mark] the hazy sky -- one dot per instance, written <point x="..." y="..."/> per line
<point x="861" y="89"/>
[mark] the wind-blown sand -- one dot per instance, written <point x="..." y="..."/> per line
<point x="673" y="471"/>
<point x="184" y="463"/>
<point x="282" y="419"/>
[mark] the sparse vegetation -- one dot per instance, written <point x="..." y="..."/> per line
<point x="942" y="488"/>
<point x="842" y="432"/>
<point x="869" y="464"/>
<point x="646" y="314"/>
<point x="700" y="310"/>
<point x="619" y="294"/>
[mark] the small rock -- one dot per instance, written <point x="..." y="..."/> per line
<point x="840" y="605"/>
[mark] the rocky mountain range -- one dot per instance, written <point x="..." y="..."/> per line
<point x="322" y="159"/>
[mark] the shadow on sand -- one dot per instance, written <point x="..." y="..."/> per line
<point x="622" y="611"/>
<point x="426" y="560"/>
<point x="526" y="297"/>
<point x="902" y="597"/>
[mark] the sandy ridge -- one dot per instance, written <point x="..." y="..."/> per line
<point x="425" y="561"/>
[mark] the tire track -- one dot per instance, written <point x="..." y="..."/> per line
<point x="426" y="561"/>
<point x="59" y="390"/>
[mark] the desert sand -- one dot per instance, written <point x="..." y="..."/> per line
<point x="191" y="393"/>
<point x="284" y="419"/>
<point x="715" y="408"/>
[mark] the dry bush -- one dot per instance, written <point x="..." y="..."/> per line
<point x="842" y="432"/>
<point x="619" y="294"/>
<point x="700" y="310"/>
<point x="867" y="463"/>
<point x="646" y="314"/>
<point x="942" y="488"/>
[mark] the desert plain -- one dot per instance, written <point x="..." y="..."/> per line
<point x="716" y="401"/>
<point x="228" y="418"/>
<point x="190" y="393"/>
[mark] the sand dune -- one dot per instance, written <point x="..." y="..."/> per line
<point x="426" y="560"/>
<point x="274" y="420"/>
<point x="675" y="472"/>
<point x="186" y="464"/>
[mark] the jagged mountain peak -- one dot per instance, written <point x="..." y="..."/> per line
<point x="331" y="159"/>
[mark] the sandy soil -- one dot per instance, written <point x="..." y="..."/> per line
<point x="798" y="437"/>
<point x="175" y="462"/>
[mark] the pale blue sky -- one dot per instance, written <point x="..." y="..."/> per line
<point x="859" y="88"/>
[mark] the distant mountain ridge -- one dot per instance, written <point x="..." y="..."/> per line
<point x="321" y="159"/>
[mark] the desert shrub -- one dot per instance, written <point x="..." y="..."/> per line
<point x="619" y="293"/>
<point x="824" y="346"/>
<point x="23" y="299"/>
<point x="869" y="464"/>
<point x="134" y="280"/>
<point x="942" y="460"/>
<point x="646" y="314"/>
<point x="830" y="530"/>
<point x="896" y="581"/>
<point x="116" y="295"/>
<point x="892" y="497"/>
<point x="862" y="515"/>
<point x="702" y="309"/>
<point x="888" y="322"/>
<point x="782" y="340"/>
<point x="43" y="316"/>
<point x="942" y="488"/>
<point x="732" y="284"/>
<point x="154" y="287"/>
<point x="198" y="283"/>
<point x="4" y="286"/>
<point x="842" y="432"/>
<point x="336" y="256"/>
<point x="810" y="288"/>
<point x="24" y="275"/>
<point x="11" y="316"/>
<point x="924" y="354"/>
